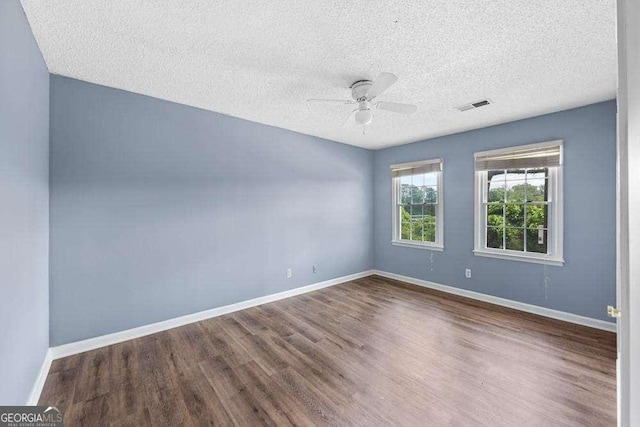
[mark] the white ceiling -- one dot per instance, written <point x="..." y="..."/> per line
<point x="260" y="60"/>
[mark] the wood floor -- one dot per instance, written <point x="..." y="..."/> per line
<point x="369" y="352"/>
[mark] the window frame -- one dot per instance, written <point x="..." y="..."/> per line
<point x="554" y="255"/>
<point x="396" y="239"/>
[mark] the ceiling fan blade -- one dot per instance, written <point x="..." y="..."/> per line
<point x="381" y="84"/>
<point x="397" y="107"/>
<point x="351" y="120"/>
<point x="332" y="101"/>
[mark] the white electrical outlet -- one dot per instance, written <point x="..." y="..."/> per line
<point x="467" y="273"/>
<point x="315" y="270"/>
<point x="289" y="273"/>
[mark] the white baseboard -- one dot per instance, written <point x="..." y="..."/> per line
<point x="529" y="308"/>
<point x="34" y="396"/>
<point x="117" y="337"/>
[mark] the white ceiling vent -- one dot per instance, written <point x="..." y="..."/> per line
<point x="473" y="105"/>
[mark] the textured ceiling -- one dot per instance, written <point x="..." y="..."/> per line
<point x="260" y="60"/>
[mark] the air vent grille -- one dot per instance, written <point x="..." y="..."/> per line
<point x="473" y="105"/>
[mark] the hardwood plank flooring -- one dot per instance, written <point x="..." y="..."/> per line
<point x="373" y="351"/>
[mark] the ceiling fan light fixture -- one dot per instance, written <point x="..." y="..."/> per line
<point x="364" y="117"/>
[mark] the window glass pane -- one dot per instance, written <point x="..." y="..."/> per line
<point x="416" y="228"/>
<point x="495" y="216"/>
<point x="415" y="222"/>
<point x="515" y="239"/>
<point x="417" y="195"/>
<point x="496" y="187"/>
<point x="429" y="210"/>
<point x="537" y="240"/>
<point x="496" y="175"/>
<point x="406" y="180"/>
<point x="415" y="210"/>
<point x="418" y="222"/>
<point x="406" y="231"/>
<point x="516" y="174"/>
<point x="536" y="215"/>
<point x="537" y="192"/>
<point x="431" y="179"/>
<point x="516" y="191"/>
<point x="431" y="194"/>
<point x="494" y="237"/>
<point x="537" y="185"/>
<point x="405" y="194"/>
<point x="514" y="215"/>
<point x="537" y="174"/>
<point x="429" y="228"/>
<point x="405" y="223"/>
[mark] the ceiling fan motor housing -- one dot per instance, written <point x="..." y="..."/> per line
<point x="359" y="89"/>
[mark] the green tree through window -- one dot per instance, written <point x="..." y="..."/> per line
<point x="418" y="211"/>
<point x="517" y="209"/>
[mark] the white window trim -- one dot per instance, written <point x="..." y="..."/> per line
<point x="438" y="245"/>
<point x="555" y="231"/>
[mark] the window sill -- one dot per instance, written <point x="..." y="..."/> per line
<point x="427" y="246"/>
<point x="523" y="258"/>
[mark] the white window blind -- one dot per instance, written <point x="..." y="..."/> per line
<point x="545" y="156"/>
<point x="417" y="169"/>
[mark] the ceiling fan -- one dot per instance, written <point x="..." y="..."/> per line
<point x="363" y="93"/>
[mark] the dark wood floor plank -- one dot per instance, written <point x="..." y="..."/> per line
<point x="138" y="419"/>
<point x="279" y="405"/>
<point x="263" y="353"/>
<point x="194" y="344"/>
<point x="92" y="412"/>
<point x="373" y="351"/>
<point x="155" y="362"/>
<point x="221" y="377"/>
<point x="67" y="363"/>
<point x="281" y="316"/>
<point x="124" y="364"/>
<point x="203" y="404"/>
<point x="167" y="407"/>
<point x="330" y="382"/>
<point x="251" y="320"/>
<point x="224" y="344"/>
<point x="95" y="375"/>
<point x="232" y="326"/>
<point x="59" y="388"/>
<point x="317" y="405"/>
<point x="127" y="398"/>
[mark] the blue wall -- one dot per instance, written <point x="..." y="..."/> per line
<point x="24" y="212"/>
<point x="586" y="282"/>
<point x="160" y="210"/>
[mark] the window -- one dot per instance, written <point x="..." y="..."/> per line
<point x="518" y="203"/>
<point x="417" y="204"/>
